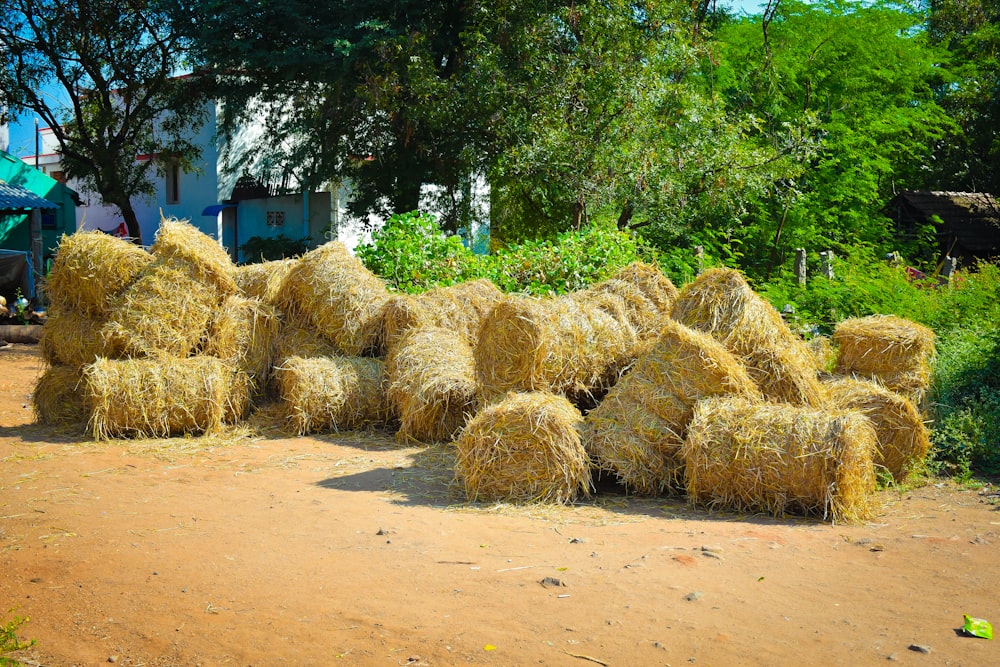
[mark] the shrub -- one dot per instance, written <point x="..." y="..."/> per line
<point x="259" y="249"/>
<point x="9" y="641"/>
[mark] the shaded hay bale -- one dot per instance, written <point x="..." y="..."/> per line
<point x="461" y="307"/>
<point x="638" y="430"/>
<point x="780" y="459"/>
<point x="90" y="269"/>
<point x="332" y="393"/>
<point x="431" y="384"/>
<point x="722" y="304"/>
<point x="71" y="337"/>
<point x="243" y="333"/>
<point x="525" y="448"/>
<point x="263" y="279"/>
<point x="297" y="338"/>
<point x="565" y="345"/>
<point x="58" y="397"/>
<point x="179" y="242"/>
<point x="340" y="297"/>
<point x="903" y="440"/>
<point x="167" y="310"/>
<point x="891" y="350"/>
<point x="163" y="396"/>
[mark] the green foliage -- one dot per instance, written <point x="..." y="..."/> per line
<point x="966" y="432"/>
<point x="9" y="641"/>
<point x="413" y="254"/>
<point x="571" y="261"/>
<point x="259" y="249"/>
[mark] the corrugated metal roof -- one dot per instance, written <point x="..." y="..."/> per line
<point x="969" y="219"/>
<point x="16" y="198"/>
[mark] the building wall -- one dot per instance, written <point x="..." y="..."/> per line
<point x="304" y="215"/>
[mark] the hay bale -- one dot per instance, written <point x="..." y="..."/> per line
<point x="646" y="297"/>
<point x="180" y="243"/>
<point x="525" y="448"/>
<point x="332" y="393"/>
<point x="780" y="459"/>
<point x="243" y="333"/>
<point x="903" y="440"/>
<point x="263" y="279"/>
<point x="167" y="310"/>
<point x="297" y="338"/>
<point x="71" y="337"/>
<point x="461" y="307"/>
<point x="638" y="430"/>
<point x="340" y="297"/>
<point x="58" y="397"/>
<point x="652" y="283"/>
<point x="565" y="345"/>
<point x="162" y="396"/>
<point x="891" y="350"/>
<point x="431" y="384"/>
<point x="90" y="269"/>
<point x="722" y="304"/>
<point x="823" y="352"/>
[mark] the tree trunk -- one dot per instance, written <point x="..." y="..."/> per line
<point x="131" y="220"/>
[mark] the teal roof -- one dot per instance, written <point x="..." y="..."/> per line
<point x="16" y="198"/>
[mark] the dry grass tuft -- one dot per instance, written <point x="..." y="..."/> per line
<point x="71" y="337"/>
<point x="824" y="353"/>
<point x="163" y="396"/>
<point x="166" y="311"/>
<point x="780" y="459"/>
<point x="893" y="351"/>
<point x="180" y="243"/>
<point x="90" y="269"/>
<point x="903" y="440"/>
<point x="332" y="393"/>
<point x="722" y="304"/>
<point x="525" y="448"/>
<point x="243" y="333"/>
<point x="638" y="430"/>
<point x="567" y="345"/>
<point x="58" y="396"/>
<point x="340" y="297"/>
<point x="432" y="384"/>
<point x="263" y="279"/>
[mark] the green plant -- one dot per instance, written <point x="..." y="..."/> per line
<point x="21" y="307"/>
<point x="9" y="641"/>
<point x="412" y="253"/>
<point x="259" y="249"/>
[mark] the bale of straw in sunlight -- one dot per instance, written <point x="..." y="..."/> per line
<point x="903" y="440"/>
<point x="566" y="345"/>
<point x="297" y="338"/>
<point x="648" y="296"/>
<point x="90" y="269"/>
<point x="780" y="459"/>
<point x="638" y="430"/>
<point x="332" y="393"/>
<point x="263" y="279"/>
<point x="722" y="304"/>
<point x="460" y="307"/>
<point x="431" y="384"/>
<point x="163" y="396"/>
<point x="243" y="333"/>
<point x="58" y="396"/>
<point x="166" y="310"/>
<point x="71" y="337"/>
<point x="178" y="242"/>
<point x="340" y="297"/>
<point x="524" y="448"/>
<point x="891" y="350"/>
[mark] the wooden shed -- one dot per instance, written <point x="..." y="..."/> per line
<point x="967" y="223"/>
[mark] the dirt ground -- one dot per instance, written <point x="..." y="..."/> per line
<point x="267" y="550"/>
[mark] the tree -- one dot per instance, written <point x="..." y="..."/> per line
<point x="114" y="64"/>
<point x="970" y="29"/>
<point x="863" y="77"/>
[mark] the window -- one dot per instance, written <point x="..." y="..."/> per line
<point x="173" y="184"/>
<point x="275" y="218"/>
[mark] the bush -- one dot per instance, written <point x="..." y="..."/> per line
<point x="9" y="641"/>
<point x="259" y="249"/>
<point x="412" y="253"/>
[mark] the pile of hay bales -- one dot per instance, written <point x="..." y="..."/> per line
<point x="704" y="391"/>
